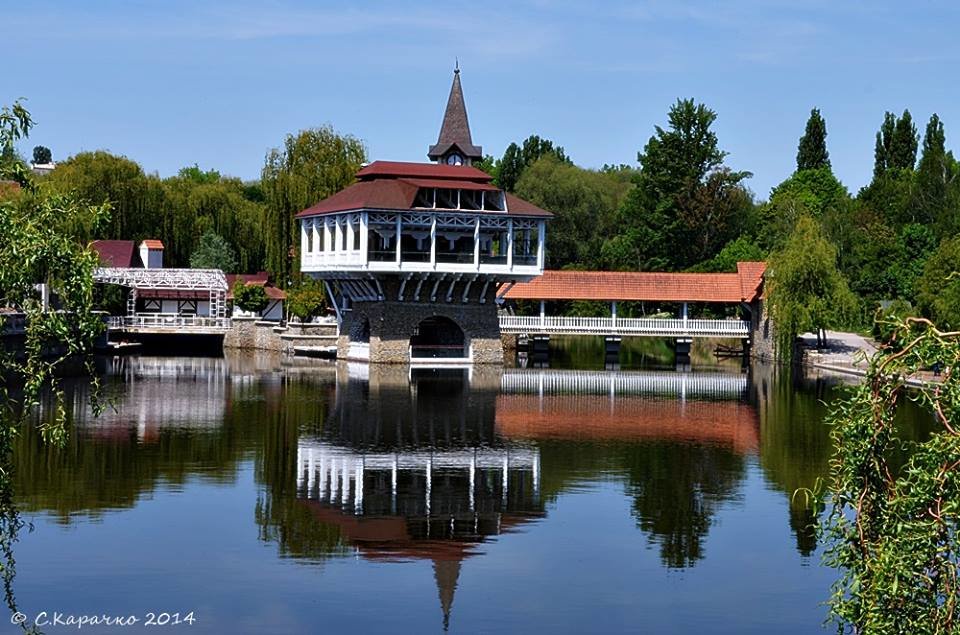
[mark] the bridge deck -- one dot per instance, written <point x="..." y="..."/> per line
<point x="633" y="327"/>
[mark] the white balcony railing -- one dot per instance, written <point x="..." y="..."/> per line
<point x="623" y="326"/>
<point x="171" y="321"/>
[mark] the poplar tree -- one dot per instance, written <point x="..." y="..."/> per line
<point x="903" y="146"/>
<point x="812" y="151"/>
<point x="934" y="173"/>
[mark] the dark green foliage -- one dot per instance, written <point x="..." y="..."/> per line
<point x="307" y="300"/>
<point x="886" y="320"/>
<point x="214" y="252"/>
<point x="812" y="151"/>
<point x="42" y="155"/>
<point x="312" y="165"/>
<point x="896" y="147"/>
<point x="584" y="204"/>
<point x="938" y="288"/>
<point x="686" y="205"/>
<point x="892" y="530"/>
<point x="517" y="158"/>
<point x="743" y="249"/>
<point x="936" y="172"/>
<point x="250" y="297"/>
<point x="815" y="193"/>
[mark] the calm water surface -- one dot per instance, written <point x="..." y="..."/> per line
<point x="272" y="497"/>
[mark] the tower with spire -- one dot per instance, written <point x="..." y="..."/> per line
<point x="455" y="146"/>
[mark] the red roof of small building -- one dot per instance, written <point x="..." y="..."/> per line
<point x="152" y="244"/>
<point x="622" y="286"/>
<point x="393" y="185"/>
<point x="261" y="278"/>
<point x="116" y="253"/>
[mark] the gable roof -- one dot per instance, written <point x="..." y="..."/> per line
<point x="455" y="129"/>
<point x="622" y="286"/>
<point x="116" y="253"/>
<point x="261" y="279"/>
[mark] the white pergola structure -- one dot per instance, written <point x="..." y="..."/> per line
<point x="211" y="281"/>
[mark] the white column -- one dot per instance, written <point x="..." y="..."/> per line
<point x="506" y="466"/>
<point x="393" y="486"/>
<point x="433" y="242"/>
<point x="337" y="240"/>
<point x="322" y="486"/>
<point x="399" y="223"/>
<point x="476" y="244"/>
<point x="684" y="316"/>
<point x="303" y="241"/>
<point x="613" y="313"/>
<point x="536" y="475"/>
<point x="299" y="468"/>
<point x="364" y="237"/>
<point x="350" y="238"/>
<point x="541" y="244"/>
<point x="543" y="314"/>
<point x="473" y="476"/>
<point x="317" y="239"/>
<point x="358" y="486"/>
<point x="510" y="243"/>
<point x="334" y="480"/>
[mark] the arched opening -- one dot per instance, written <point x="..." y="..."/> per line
<point x="438" y="337"/>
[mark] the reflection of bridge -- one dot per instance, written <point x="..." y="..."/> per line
<point x="682" y="385"/>
<point x="337" y="474"/>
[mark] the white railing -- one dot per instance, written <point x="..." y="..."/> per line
<point x="171" y="321"/>
<point x="586" y="382"/>
<point x="519" y="324"/>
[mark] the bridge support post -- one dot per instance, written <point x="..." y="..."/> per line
<point x="682" y="346"/>
<point x="540" y="351"/>
<point x="611" y="352"/>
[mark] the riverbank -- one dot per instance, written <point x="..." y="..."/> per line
<point x="847" y="354"/>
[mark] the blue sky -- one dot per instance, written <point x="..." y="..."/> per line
<point x="175" y="83"/>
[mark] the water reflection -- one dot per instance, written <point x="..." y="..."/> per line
<point x="437" y="467"/>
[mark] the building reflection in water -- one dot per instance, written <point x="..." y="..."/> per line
<point x="409" y="466"/>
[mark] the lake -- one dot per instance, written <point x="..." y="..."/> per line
<point x="249" y="494"/>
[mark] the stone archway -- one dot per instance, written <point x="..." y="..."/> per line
<point x="438" y="337"/>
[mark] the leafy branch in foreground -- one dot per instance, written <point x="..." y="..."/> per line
<point x="892" y="532"/>
<point x="39" y="249"/>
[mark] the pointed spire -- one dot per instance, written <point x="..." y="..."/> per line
<point x="446" y="573"/>
<point x="455" y="130"/>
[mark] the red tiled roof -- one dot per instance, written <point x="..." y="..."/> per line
<point x="626" y="286"/>
<point x="400" y="169"/>
<point x="399" y="191"/>
<point x="261" y="278"/>
<point x="116" y="253"/>
<point x="152" y="244"/>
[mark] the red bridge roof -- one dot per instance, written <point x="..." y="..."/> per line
<point x="621" y="286"/>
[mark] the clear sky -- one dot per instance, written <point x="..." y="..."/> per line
<point x="174" y="83"/>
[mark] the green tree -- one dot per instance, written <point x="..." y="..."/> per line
<point x="892" y="533"/>
<point x="312" y="165"/>
<point x="816" y="193"/>
<point x="250" y="297"/>
<point x="42" y="155"/>
<point x="812" y="151"/>
<point x="687" y="204"/>
<point x="196" y="175"/>
<point x="517" y="158"/>
<point x="936" y="172"/>
<point x="805" y="289"/>
<point x="896" y="147"/>
<point x="307" y="300"/>
<point x="214" y="252"/>
<point x="938" y="288"/>
<point x="583" y="202"/>
<point x="743" y="249"/>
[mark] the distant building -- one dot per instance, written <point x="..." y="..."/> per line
<point x="274" y="310"/>
<point x="42" y="169"/>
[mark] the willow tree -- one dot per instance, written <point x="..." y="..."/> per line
<point x="893" y="531"/>
<point x="805" y="289"/>
<point x="312" y="165"/>
<point x="39" y="246"/>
